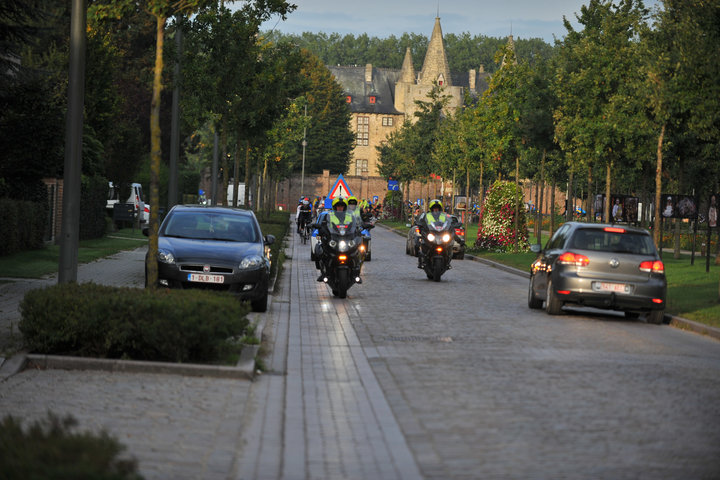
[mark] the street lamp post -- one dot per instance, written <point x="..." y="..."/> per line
<point x="304" y="144"/>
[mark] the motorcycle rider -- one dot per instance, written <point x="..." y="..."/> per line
<point x="337" y="216"/>
<point x="435" y="214"/>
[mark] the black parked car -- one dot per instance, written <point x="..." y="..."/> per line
<point x="603" y="266"/>
<point x="217" y="248"/>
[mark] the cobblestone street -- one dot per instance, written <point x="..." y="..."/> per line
<point x="409" y="378"/>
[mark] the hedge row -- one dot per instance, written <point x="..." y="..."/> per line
<point x="23" y="225"/>
<point x="112" y="322"/>
<point x="53" y="448"/>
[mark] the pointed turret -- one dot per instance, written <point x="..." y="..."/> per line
<point x="511" y="48"/>
<point x="408" y="72"/>
<point x="435" y="68"/>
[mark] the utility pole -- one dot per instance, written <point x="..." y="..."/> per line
<point x="304" y="144"/>
<point x="175" y="125"/>
<point x="70" y="227"/>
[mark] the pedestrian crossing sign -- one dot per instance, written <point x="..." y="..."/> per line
<point x="340" y="189"/>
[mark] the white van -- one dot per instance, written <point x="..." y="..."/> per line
<point x="136" y="198"/>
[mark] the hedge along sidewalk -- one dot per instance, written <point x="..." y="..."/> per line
<point x="244" y="369"/>
<point x="675" y="321"/>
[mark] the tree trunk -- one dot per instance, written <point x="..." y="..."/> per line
<point x="589" y="208"/>
<point x="676" y="221"/>
<point x="236" y="173"/>
<point x="247" y="174"/>
<point x="539" y="206"/>
<point x="552" y="208"/>
<point x="657" y="233"/>
<point x="516" y="245"/>
<point x="608" y="180"/>
<point x="569" y="202"/>
<point x="155" y="154"/>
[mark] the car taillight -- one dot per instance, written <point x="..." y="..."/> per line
<point x="570" y="258"/>
<point x="614" y="229"/>
<point x="652" y="266"/>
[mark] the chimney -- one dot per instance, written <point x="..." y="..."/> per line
<point x="368" y="73"/>
<point x="471" y="82"/>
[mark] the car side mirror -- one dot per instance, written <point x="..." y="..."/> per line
<point x="536" y="248"/>
<point x="269" y="239"/>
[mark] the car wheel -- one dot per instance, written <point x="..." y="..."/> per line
<point x="656" y="317"/>
<point x="533" y="301"/>
<point x="553" y="305"/>
<point x="260" y="304"/>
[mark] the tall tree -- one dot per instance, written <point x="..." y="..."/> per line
<point x="599" y="120"/>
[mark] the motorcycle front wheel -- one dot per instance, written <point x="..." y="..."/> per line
<point x="342" y="283"/>
<point x="437" y="268"/>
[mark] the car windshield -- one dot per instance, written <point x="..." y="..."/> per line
<point x="613" y="240"/>
<point x="211" y="226"/>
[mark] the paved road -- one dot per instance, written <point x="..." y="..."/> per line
<point x="482" y="387"/>
<point x="409" y="378"/>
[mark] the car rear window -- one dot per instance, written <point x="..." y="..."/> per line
<point x="612" y="241"/>
<point x="211" y="226"/>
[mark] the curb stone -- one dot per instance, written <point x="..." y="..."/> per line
<point x="677" y="322"/>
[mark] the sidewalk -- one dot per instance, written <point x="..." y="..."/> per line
<point x="318" y="411"/>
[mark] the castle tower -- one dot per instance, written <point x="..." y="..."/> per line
<point x="408" y="72"/>
<point x="405" y="83"/>
<point x="435" y="68"/>
<point x="511" y="48"/>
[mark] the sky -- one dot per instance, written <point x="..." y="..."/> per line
<point x="382" y="18"/>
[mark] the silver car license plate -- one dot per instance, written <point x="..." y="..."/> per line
<point x="612" y="287"/>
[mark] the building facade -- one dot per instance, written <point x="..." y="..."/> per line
<point x="382" y="99"/>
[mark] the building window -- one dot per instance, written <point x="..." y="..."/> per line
<point x="361" y="167"/>
<point x="363" y="131"/>
<point x="387" y="121"/>
<point x="372" y="99"/>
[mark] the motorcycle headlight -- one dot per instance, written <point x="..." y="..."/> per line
<point x="251" y="262"/>
<point x="351" y="243"/>
<point x="332" y="243"/>
<point x="164" y="256"/>
<point x="343" y="246"/>
<point x="431" y="237"/>
<point x="446" y="238"/>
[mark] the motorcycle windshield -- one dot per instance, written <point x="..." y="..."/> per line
<point x="439" y="226"/>
<point x="342" y="230"/>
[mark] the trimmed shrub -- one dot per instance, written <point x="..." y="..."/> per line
<point x="497" y="220"/>
<point x="51" y="449"/>
<point x="112" y="322"/>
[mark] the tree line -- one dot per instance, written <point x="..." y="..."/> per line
<point x="628" y="103"/>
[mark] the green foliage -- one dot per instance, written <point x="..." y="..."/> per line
<point x="111" y="322"/>
<point x="52" y="448"/>
<point x="497" y="219"/>
<point x="464" y="51"/>
<point x="93" y="201"/>
<point x="23" y="225"/>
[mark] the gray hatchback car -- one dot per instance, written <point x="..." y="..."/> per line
<point x="598" y="265"/>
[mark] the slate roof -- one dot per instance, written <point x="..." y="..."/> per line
<point x="382" y="87"/>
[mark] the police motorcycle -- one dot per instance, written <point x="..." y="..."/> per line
<point x="436" y="247"/>
<point x="340" y="260"/>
